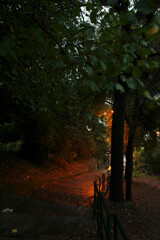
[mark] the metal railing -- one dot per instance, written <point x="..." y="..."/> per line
<point x="109" y="225"/>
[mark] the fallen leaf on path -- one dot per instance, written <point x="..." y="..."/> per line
<point x="7" y="210"/>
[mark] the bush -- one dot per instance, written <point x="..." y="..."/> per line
<point x="11" y="146"/>
<point x="150" y="160"/>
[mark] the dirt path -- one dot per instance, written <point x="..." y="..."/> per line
<point x="74" y="190"/>
<point x="152" y="181"/>
<point x="74" y="186"/>
<point x="49" y="206"/>
<point x="141" y="217"/>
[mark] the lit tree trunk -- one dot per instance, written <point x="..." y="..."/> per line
<point x="129" y="163"/>
<point x="116" y="185"/>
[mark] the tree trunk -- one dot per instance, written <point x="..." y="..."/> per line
<point x="116" y="185"/>
<point x="129" y="163"/>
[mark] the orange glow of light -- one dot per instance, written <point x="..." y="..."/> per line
<point x="126" y="135"/>
<point x="108" y="115"/>
<point x="109" y="168"/>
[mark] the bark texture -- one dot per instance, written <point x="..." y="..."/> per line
<point x="129" y="164"/>
<point x="116" y="184"/>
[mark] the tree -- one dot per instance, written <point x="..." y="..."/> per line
<point x="35" y="68"/>
<point x="133" y="28"/>
<point x="138" y="113"/>
<point x="42" y="65"/>
<point x="80" y="46"/>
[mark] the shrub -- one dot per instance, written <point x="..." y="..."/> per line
<point x="150" y="160"/>
<point x="11" y="146"/>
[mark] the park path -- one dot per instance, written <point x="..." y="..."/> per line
<point x="56" y="208"/>
<point x="74" y="190"/>
<point x="58" y="205"/>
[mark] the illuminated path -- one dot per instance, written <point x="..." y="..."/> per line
<point x="73" y="190"/>
<point x="59" y="209"/>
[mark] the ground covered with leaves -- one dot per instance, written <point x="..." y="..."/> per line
<point x="141" y="217"/>
<point x="74" y="186"/>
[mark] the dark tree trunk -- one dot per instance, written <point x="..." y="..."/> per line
<point x="116" y="185"/>
<point x="129" y="163"/>
<point x="130" y="147"/>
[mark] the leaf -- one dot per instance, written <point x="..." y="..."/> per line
<point x="131" y="83"/>
<point x="112" y="2"/>
<point x="103" y="65"/>
<point x="14" y="230"/>
<point x="154" y="64"/>
<point x="70" y="56"/>
<point x="144" y="43"/>
<point x="93" y="17"/>
<point x="14" y="72"/>
<point x="132" y="18"/>
<point x="126" y="58"/>
<point x="12" y="53"/>
<point x="120" y="87"/>
<point x="123" y="78"/>
<point x="37" y="32"/>
<point x="61" y="21"/>
<point x="89" y="32"/>
<point x="126" y="67"/>
<point x="133" y="27"/>
<point x="151" y="105"/>
<point x="152" y="31"/>
<point x="145" y="7"/>
<point x="93" y="86"/>
<point x="143" y="63"/>
<point x="89" y="70"/>
<point x="94" y="59"/>
<point x="146" y="94"/>
<point x="89" y="6"/>
<point x="59" y="63"/>
<point x="123" y="18"/>
<point x="136" y="72"/>
<point x="3" y="52"/>
<point x="140" y="83"/>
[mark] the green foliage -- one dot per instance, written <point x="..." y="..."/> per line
<point x="147" y="6"/>
<point x="120" y="87"/>
<point x="101" y="149"/>
<point x="150" y="160"/>
<point x="100" y="138"/>
<point x="7" y="131"/>
<point x="10" y="146"/>
<point x="151" y="112"/>
<point x="146" y="94"/>
<point x="57" y="61"/>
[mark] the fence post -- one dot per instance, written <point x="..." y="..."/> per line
<point x="109" y="226"/>
<point x="104" y="227"/>
<point x="108" y="181"/>
<point x="100" y="184"/>
<point x="98" y="214"/>
<point x="95" y="199"/>
<point x="115" y="228"/>
<point x="100" y="222"/>
<point x="103" y="182"/>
